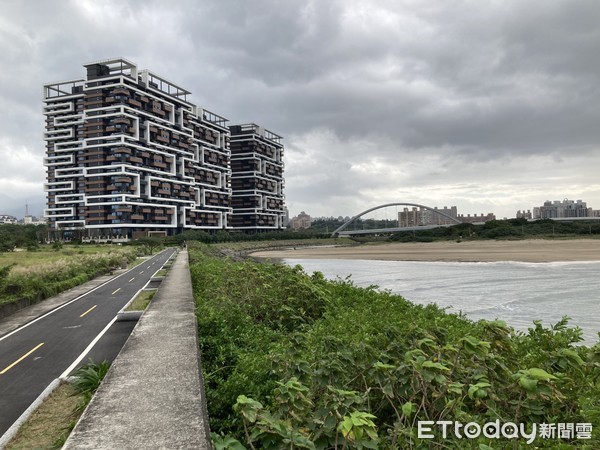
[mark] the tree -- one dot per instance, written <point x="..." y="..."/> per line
<point x="7" y="241"/>
<point x="150" y="243"/>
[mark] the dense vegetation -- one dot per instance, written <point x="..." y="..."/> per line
<point x="237" y="236"/>
<point x="322" y="229"/>
<point x="36" y="275"/>
<point x="23" y="236"/>
<point x="31" y="236"/>
<point x="292" y="360"/>
<point x="504" y="229"/>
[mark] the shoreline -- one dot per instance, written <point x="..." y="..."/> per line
<point x="529" y="250"/>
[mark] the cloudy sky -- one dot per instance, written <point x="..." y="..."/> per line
<point x="492" y="106"/>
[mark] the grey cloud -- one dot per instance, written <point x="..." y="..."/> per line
<point x="468" y="85"/>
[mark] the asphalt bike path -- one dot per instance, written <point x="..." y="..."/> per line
<point x="49" y="347"/>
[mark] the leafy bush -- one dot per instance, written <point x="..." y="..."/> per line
<point x="502" y="229"/>
<point x="293" y="360"/>
<point x="7" y="241"/>
<point x="4" y="271"/>
<point x="24" y="236"/>
<point x="87" y="380"/>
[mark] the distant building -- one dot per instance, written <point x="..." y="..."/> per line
<point x="409" y="217"/>
<point x="27" y="220"/>
<point x="415" y="217"/>
<point x="32" y="220"/>
<point x="433" y="218"/>
<point x="524" y="215"/>
<point x="5" y="218"/>
<point x="301" y="221"/>
<point x="593" y="212"/>
<point x="286" y="217"/>
<point x="560" y="210"/>
<point x="476" y="219"/>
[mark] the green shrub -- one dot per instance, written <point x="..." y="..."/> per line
<point x="292" y="360"/>
<point x="87" y="379"/>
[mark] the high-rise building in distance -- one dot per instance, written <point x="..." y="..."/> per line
<point x="561" y="209"/>
<point x="127" y="154"/>
<point x="256" y="178"/>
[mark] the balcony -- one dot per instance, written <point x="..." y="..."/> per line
<point x="134" y="102"/>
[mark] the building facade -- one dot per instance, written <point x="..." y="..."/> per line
<point x="256" y="178"/>
<point x="476" y="218"/>
<point x="415" y="217"/>
<point x="127" y="154"/>
<point x="300" y="222"/>
<point x="8" y="219"/>
<point x="409" y="217"/>
<point x="561" y="209"/>
<point x="524" y="214"/>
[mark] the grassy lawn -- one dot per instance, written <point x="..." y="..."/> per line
<point x="141" y="301"/>
<point x="36" y="275"/>
<point x="161" y="273"/>
<point x="47" y="254"/>
<point x="51" y="423"/>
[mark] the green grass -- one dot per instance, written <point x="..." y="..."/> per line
<point x="39" y="275"/>
<point x="45" y="254"/>
<point x="161" y="273"/>
<point x="50" y="425"/>
<point x="141" y="301"/>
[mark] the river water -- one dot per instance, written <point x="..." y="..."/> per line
<point x="515" y="292"/>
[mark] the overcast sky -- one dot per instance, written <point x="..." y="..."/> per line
<point x="492" y="106"/>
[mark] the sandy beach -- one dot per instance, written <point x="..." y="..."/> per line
<point x="476" y="251"/>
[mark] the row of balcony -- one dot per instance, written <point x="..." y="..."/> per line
<point x="252" y="165"/>
<point x="253" y="220"/>
<point x="244" y="184"/>
<point x="255" y="147"/>
<point x="215" y="158"/>
<point x="197" y="218"/>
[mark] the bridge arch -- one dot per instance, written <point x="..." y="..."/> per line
<point x="348" y="222"/>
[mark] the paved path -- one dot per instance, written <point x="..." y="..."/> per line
<point x="25" y="315"/>
<point x="152" y="396"/>
<point x="50" y="346"/>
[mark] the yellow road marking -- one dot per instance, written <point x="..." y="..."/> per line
<point x="88" y="311"/>
<point x="21" y="358"/>
<point x="116" y="291"/>
<point x="131" y="280"/>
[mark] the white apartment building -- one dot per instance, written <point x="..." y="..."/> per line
<point x="127" y="154"/>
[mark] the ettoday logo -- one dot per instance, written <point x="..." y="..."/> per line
<point x="507" y="430"/>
